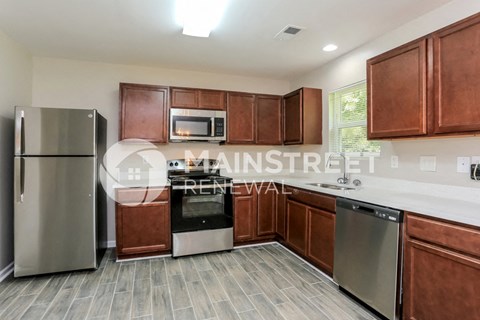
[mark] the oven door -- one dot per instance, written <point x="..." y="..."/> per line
<point x="205" y="208"/>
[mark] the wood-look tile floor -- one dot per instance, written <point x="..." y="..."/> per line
<point x="264" y="282"/>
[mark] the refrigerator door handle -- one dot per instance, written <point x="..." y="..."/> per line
<point x="20" y="132"/>
<point x="20" y="177"/>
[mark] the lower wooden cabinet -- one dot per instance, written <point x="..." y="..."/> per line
<point x="321" y="238"/>
<point x="143" y="229"/>
<point x="297" y="221"/>
<point x="441" y="276"/>
<point x="254" y="209"/>
<point x="281" y="212"/>
<point x="310" y="226"/>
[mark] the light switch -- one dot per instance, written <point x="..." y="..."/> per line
<point x="463" y="164"/>
<point x="428" y="163"/>
<point x="394" y="161"/>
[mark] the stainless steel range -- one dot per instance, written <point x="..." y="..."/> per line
<point x="201" y="207"/>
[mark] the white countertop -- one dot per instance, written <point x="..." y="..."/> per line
<point x="459" y="204"/>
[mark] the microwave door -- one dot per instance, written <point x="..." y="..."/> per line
<point x="192" y="126"/>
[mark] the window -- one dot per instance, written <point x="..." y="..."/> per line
<point x="348" y="121"/>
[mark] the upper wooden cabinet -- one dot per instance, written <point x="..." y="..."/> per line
<point x="302" y="117"/>
<point x="254" y="119"/>
<point x="397" y="92"/>
<point x="269" y="120"/>
<point x="457" y="77"/>
<point x="197" y="98"/>
<point x="427" y="87"/>
<point x="144" y="112"/>
<point x="240" y="118"/>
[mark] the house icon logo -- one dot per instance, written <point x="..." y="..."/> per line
<point x="134" y="163"/>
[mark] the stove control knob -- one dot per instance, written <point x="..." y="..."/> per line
<point x="171" y="164"/>
<point x="176" y="164"/>
<point x="203" y="221"/>
<point x="211" y="163"/>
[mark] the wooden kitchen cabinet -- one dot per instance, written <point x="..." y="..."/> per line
<point x="142" y="229"/>
<point x="144" y="112"/>
<point x="254" y="119"/>
<point x="310" y="226"/>
<point x="427" y="87"/>
<point x="441" y="270"/>
<point x="268" y="120"/>
<point x="302" y="117"/>
<point x="191" y="98"/>
<point x="281" y="212"/>
<point x="244" y="212"/>
<point x="297" y="226"/>
<point x="321" y="238"/>
<point x="397" y="92"/>
<point x="240" y="118"/>
<point x="266" y="208"/>
<point x="456" y="77"/>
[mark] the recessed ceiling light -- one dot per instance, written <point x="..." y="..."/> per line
<point x="330" y="47"/>
<point x="199" y="17"/>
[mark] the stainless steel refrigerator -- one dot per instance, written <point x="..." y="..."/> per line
<point x="59" y="203"/>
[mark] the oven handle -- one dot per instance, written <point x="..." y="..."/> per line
<point x="207" y="186"/>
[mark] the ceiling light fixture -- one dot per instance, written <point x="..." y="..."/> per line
<point x="330" y="47"/>
<point x="199" y="17"/>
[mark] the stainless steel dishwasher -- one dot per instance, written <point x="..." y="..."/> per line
<point x="368" y="254"/>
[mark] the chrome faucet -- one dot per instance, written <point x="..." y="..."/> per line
<point x="345" y="179"/>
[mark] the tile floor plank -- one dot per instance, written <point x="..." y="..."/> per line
<point x="102" y="301"/>
<point x="37" y="285"/>
<point x="304" y="287"/>
<point x="248" y="286"/>
<point x="329" y="308"/>
<point x="161" y="303"/>
<point x="218" y="266"/>
<point x="59" y="307"/>
<point x="304" y="305"/>
<point x="236" y="294"/>
<point x="173" y="267"/>
<point x="79" y="309"/>
<point x="178" y="290"/>
<point x="159" y="272"/>
<point x="251" y="315"/>
<point x="35" y="312"/>
<point x="74" y="280"/>
<point x="188" y="269"/>
<point x="213" y="286"/>
<point x="185" y="314"/>
<point x="268" y="288"/>
<point x="121" y="306"/>
<point x="17" y="307"/>
<point x="201" y="263"/>
<point x="12" y="291"/>
<point x="290" y="312"/>
<point x="142" y="269"/>
<point x="110" y="274"/>
<point x="52" y="288"/>
<point x="266" y="309"/>
<point x="225" y="310"/>
<point x="279" y="281"/>
<point x="90" y="284"/>
<point x="244" y="262"/>
<point x="142" y="299"/>
<point x="201" y="303"/>
<point x="125" y="277"/>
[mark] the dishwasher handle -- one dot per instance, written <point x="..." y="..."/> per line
<point x="357" y="207"/>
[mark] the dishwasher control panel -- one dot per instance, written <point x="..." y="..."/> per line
<point x="388" y="214"/>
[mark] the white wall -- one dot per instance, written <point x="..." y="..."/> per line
<point x="79" y="84"/>
<point x="351" y="68"/>
<point x="15" y="89"/>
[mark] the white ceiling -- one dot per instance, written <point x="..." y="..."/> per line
<point x="144" y="32"/>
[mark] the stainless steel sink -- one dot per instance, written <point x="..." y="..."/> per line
<point x="330" y="186"/>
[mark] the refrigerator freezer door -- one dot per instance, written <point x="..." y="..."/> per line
<point x="54" y="220"/>
<point x="53" y="132"/>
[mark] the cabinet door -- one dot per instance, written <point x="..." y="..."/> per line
<point x="293" y="118"/>
<point x="281" y="212"/>
<point x="456" y="77"/>
<point x="321" y="238"/>
<point x="240" y="118"/>
<point x="397" y="92"/>
<point x="244" y="211"/>
<point x="184" y="98"/>
<point x="211" y="99"/>
<point x="143" y="229"/>
<point x="440" y="284"/>
<point x="266" y="207"/>
<point x="269" y="120"/>
<point x="297" y="226"/>
<point x="144" y="113"/>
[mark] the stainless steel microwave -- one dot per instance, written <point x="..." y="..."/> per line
<point x="197" y="125"/>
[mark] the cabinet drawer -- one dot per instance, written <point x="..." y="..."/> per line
<point x="136" y="195"/>
<point x="460" y="238"/>
<point x="313" y="199"/>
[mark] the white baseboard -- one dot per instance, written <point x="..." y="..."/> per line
<point x="6" y="271"/>
<point x="111" y="244"/>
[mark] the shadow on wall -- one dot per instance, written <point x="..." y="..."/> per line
<point x="6" y="191"/>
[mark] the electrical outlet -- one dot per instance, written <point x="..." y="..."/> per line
<point x="428" y="163"/>
<point x="394" y="161"/>
<point x="463" y="164"/>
